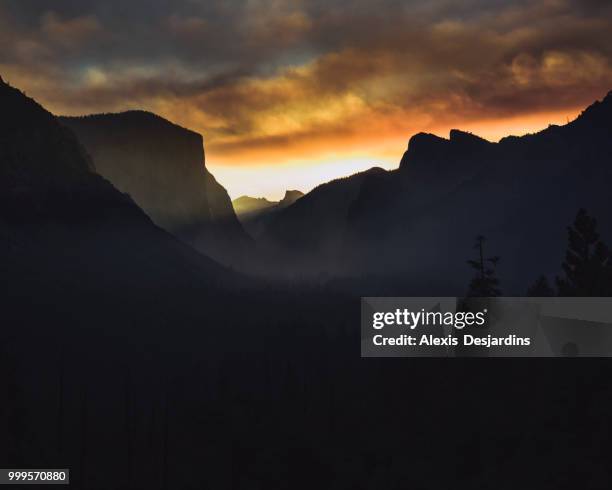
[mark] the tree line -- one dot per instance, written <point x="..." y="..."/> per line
<point x="585" y="271"/>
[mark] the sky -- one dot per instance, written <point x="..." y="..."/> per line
<point x="290" y="94"/>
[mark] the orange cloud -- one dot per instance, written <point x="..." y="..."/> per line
<point x="276" y="84"/>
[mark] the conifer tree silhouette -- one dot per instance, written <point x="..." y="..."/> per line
<point x="485" y="282"/>
<point x="541" y="288"/>
<point x="587" y="267"/>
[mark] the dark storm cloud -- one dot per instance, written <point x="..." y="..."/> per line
<point x="198" y="33"/>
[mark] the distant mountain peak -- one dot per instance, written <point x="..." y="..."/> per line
<point x="250" y="208"/>
<point x="421" y="140"/>
<point x="247" y="204"/>
<point x="246" y="198"/>
<point x="290" y="197"/>
<point x="426" y="148"/>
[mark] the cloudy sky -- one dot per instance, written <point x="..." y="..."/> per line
<point x="292" y="93"/>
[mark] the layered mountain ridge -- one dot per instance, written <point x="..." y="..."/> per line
<point x="255" y="213"/>
<point x="244" y="205"/>
<point x="135" y="365"/>
<point x="68" y="231"/>
<point x="419" y="221"/>
<point x="311" y="231"/>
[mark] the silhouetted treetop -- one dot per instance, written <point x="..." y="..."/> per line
<point x="485" y="282"/>
<point x="587" y="266"/>
<point x="541" y="288"/>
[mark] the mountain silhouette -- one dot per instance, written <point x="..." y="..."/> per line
<point x="130" y="358"/>
<point x="255" y="213"/>
<point x="162" y="167"/>
<point x="244" y="205"/>
<point x="289" y="198"/>
<point x="68" y="233"/>
<point x="311" y="231"/>
<point x="419" y="221"/>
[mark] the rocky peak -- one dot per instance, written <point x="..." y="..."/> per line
<point x="428" y="149"/>
<point x="423" y="147"/>
<point x="290" y="197"/>
<point x="463" y="137"/>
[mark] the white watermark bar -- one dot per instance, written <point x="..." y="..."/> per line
<point x="486" y="327"/>
<point x="34" y="476"/>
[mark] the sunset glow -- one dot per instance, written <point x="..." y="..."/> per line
<point x="291" y="94"/>
<point x="269" y="173"/>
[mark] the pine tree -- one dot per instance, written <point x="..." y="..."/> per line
<point x="541" y="288"/>
<point x="587" y="265"/>
<point x="485" y="282"/>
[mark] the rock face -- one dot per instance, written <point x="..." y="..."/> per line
<point x="162" y="167"/>
<point x="255" y="213"/>
<point x="419" y="222"/>
<point x="289" y="198"/>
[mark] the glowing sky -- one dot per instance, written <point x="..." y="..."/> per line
<point x="289" y="94"/>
